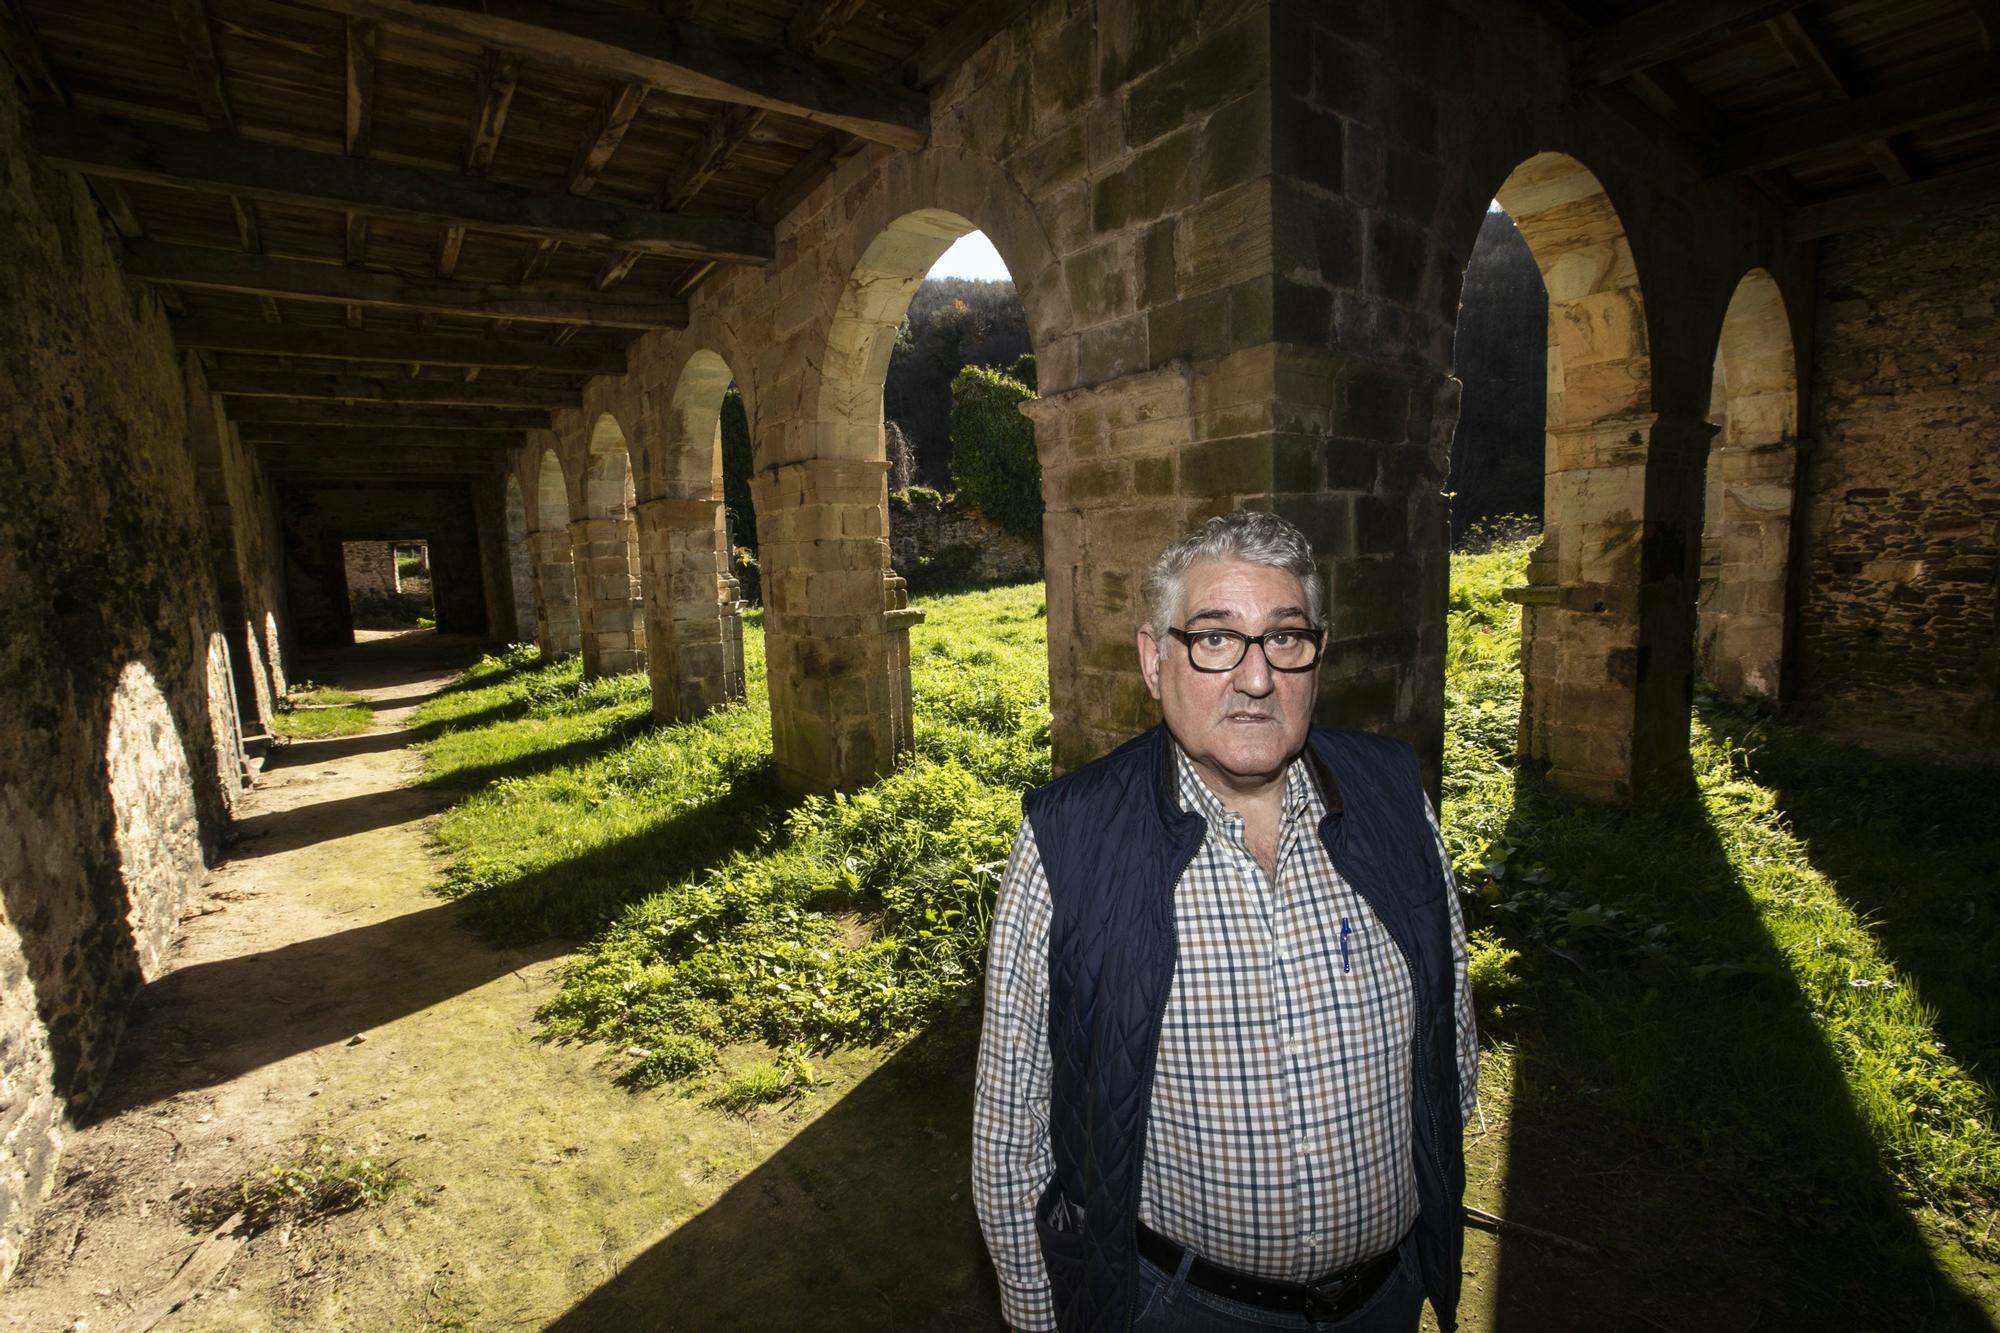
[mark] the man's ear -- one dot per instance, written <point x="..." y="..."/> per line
<point x="1149" y="659"/>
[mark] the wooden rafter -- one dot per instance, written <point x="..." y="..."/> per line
<point x="1896" y="203"/>
<point x="1662" y="32"/>
<point x="358" y="133"/>
<point x="818" y="22"/>
<point x="725" y="132"/>
<point x="260" y="275"/>
<point x="1810" y="55"/>
<point x="1940" y="97"/>
<point x="338" y="438"/>
<point x="498" y="76"/>
<point x="667" y="56"/>
<point x="360" y="388"/>
<point x="197" y="39"/>
<point x="343" y="345"/>
<point x="162" y="155"/>
<point x="608" y="123"/>
<point x="395" y="416"/>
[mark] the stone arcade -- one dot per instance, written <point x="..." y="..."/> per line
<point x="280" y="275"/>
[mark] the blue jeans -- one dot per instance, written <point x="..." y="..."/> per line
<point x="1167" y="1304"/>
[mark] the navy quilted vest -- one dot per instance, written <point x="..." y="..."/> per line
<point x="1115" y="842"/>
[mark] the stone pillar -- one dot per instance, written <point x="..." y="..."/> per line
<point x="1746" y="543"/>
<point x="839" y="709"/>
<point x="611" y="615"/>
<point x="900" y="617"/>
<point x="694" y="623"/>
<point x="556" y="626"/>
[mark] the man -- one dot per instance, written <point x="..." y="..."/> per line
<point x="1228" y="1047"/>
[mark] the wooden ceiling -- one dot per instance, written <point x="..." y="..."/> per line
<point x="385" y="221"/>
<point x="452" y="212"/>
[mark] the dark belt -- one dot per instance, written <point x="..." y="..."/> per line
<point x="1335" y="1296"/>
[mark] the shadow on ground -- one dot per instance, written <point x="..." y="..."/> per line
<point x="1699" y="1133"/>
<point x="1912" y="845"/>
<point x="862" y="1221"/>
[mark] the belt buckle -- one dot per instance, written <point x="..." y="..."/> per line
<point x="1328" y="1300"/>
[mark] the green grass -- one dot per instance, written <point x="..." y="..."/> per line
<point x="1774" y="973"/>
<point x="310" y="712"/>
<point x="318" y="1183"/>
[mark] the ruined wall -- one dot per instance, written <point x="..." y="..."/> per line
<point x="370" y="568"/>
<point x="317" y="521"/>
<point x="1898" y="627"/>
<point x="935" y="543"/>
<point x="109" y="757"/>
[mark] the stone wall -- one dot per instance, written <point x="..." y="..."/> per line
<point x="934" y="543"/>
<point x="1898" y="627"/>
<point x="371" y="569"/>
<point x="112" y="778"/>
<point x="318" y="521"/>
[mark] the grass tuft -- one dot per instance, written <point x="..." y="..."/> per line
<point x="317" y="1184"/>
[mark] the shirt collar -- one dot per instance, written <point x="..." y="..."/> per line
<point x="1302" y="796"/>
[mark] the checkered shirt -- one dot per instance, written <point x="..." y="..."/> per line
<point x="1278" y="1136"/>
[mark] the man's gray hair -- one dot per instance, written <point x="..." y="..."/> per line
<point x="1249" y="535"/>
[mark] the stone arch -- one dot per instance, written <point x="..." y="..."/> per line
<point x="557" y="628"/>
<point x="1751" y="481"/>
<point x="1580" y="655"/>
<point x="693" y="611"/>
<point x="520" y="563"/>
<point x="604" y="546"/>
<point x="837" y="632"/>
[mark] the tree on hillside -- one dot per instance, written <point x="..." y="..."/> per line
<point x="953" y="322"/>
<point x="993" y="463"/>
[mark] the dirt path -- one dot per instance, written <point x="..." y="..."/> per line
<point x="320" y="990"/>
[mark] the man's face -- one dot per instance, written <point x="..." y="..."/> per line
<point x="1239" y="727"/>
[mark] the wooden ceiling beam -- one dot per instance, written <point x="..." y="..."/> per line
<point x="22" y="46"/>
<point x="336" y="439"/>
<point x="818" y="22"/>
<point x="302" y="280"/>
<point x="1895" y="203"/>
<point x="667" y="56"/>
<point x="248" y="385"/>
<point x="1810" y="55"/>
<point x="375" y="416"/>
<point x="1941" y="97"/>
<point x="498" y="75"/>
<point x="345" y="345"/>
<point x="362" y="40"/>
<point x="725" y="132"/>
<point x="1663" y="32"/>
<point x="161" y="155"/>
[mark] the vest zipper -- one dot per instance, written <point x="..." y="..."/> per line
<point x="1153" y="1068"/>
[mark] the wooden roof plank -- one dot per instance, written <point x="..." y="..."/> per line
<point x="391" y="437"/>
<point x="303" y="280"/>
<point x="247" y="385"/>
<point x="1810" y="55"/>
<point x="1663" y="31"/>
<point x="1942" y="97"/>
<point x="164" y="155"/>
<point x="1895" y="203"/>
<point x="670" y="57"/>
<point x="397" y="416"/>
<point x="342" y="345"/>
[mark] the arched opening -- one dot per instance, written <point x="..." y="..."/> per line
<point x="694" y="626"/>
<point x="1747" y="509"/>
<point x="557" y="629"/>
<point x="520" y="564"/>
<point x="604" y="546"/>
<point x="837" y="633"/>
<point x="1581" y="622"/>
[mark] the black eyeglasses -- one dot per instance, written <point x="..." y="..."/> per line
<point x="1225" y="649"/>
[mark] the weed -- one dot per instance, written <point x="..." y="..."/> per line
<point x="316" y="1184"/>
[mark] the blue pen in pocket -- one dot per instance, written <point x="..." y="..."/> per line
<point x="1345" y="931"/>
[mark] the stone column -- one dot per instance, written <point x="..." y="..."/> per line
<point x="694" y="623"/>
<point x="899" y="618"/>
<point x="838" y="707"/>
<point x="611" y="616"/>
<point x="1746" y="543"/>
<point x="556" y="625"/>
